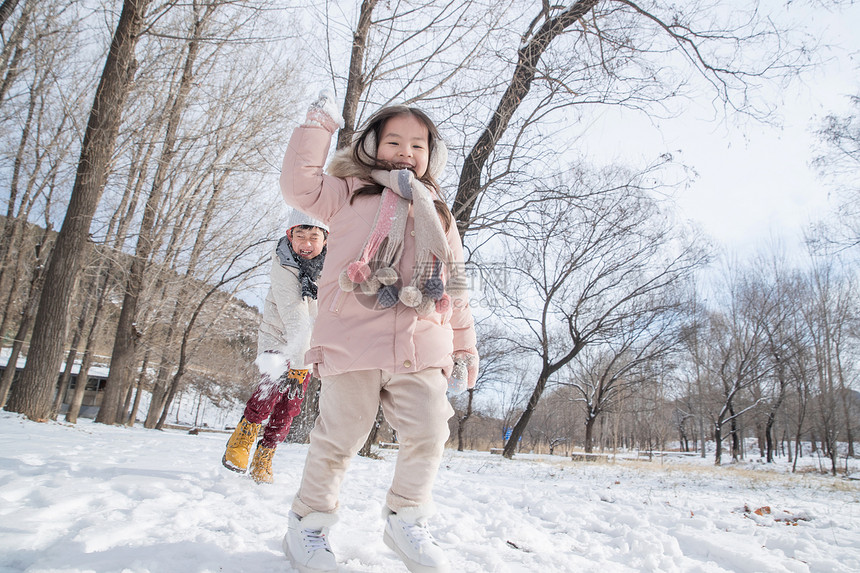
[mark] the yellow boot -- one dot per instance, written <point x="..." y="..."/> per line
<point x="261" y="465"/>
<point x="239" y="446"/>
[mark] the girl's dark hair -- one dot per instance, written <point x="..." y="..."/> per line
<point x="363" y="158"/>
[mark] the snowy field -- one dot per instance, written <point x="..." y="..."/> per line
<point x="100" y="498"/>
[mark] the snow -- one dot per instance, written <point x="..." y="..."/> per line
<point x="92" y="497"/>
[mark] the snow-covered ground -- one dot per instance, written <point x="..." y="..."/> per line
<point x="101" y="498"/>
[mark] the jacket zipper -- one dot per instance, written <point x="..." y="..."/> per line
<point x="338" y="300"/>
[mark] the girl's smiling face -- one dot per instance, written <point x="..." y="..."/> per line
<point x="405" y="143"/>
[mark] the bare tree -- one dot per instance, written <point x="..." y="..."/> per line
<point x="123" y="358"/>
<point x="233" y="276"/>
<point x="28" y="316"/>
<point x="693" y="364"/>
<point x="613" y="53"/>
<point x="33" y="394"/>
<point x="590" y="259"/>
<point x="736" y="354"/>
<point x="802" y="369"/>
<point x="213" y="149"/>
<point x="620" y="365"/>
<point x="38" y="135"/>
<point x="828" y="315"/>
<point x="782" y="302"/>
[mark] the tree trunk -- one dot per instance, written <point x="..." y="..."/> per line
<point x="87" y="359"/>
<point x="355" y="82"/>
<point x="797" y="452"/>
<point x="132" y="417"/>
<point x="72" y="355"/>
<point x="844" y="394"/>
<point x="365" y="450"/>
<point x="122" y="415"/>
<point x="768" y="436"/>
<point x="32" y="396"/>
<point x="589" y="433"/>
<point x="461" y="423"/>
<point x="158" y="395"/>
<point x="718" y="443"/>
<point x="518" y="429"/>
<point x="6" y="10"/>
<point x="12" y="363"/>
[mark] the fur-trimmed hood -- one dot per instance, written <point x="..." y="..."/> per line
<point x="343" y="165"/>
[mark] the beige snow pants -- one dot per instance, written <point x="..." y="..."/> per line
<point x="414" y="405"/>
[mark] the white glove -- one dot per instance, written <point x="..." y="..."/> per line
<point x="324" y="113"/>
<point x="459" y="378"/>
<point x="464" y="375"/>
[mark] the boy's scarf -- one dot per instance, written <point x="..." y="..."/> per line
<point x="375" y="269"/>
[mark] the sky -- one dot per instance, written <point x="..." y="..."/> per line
<point x="754" y="181"/>
<point x="104" y="499"/>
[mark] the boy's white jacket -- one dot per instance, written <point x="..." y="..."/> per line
<point x="349" y="334"/>
<point x="287" y="319"/>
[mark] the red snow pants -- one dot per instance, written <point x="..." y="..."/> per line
<point x="280" y="401"/>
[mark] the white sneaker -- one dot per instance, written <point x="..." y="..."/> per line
<point x="406" y="533"/>
<point x="306" y="542"/>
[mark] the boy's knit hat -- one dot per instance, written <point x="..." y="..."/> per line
<point x="298" y="218"/>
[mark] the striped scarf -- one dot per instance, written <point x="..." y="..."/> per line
<point x="435" y="273"/>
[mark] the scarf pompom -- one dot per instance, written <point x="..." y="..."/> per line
<point x="345" y="282"/>
<point x="434" y="288"/>
<point x="410" y="296"/>
<point x="387" y="296"/>
<point x="379" y="257"/>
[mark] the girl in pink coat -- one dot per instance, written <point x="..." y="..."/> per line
<point x="393" y="317"/>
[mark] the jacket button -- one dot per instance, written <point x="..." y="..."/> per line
<point x="412" y="233"/>
<point x="407" y="364"/>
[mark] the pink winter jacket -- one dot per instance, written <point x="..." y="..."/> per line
<point x="348" y="334"/>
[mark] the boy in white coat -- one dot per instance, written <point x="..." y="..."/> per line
<point x="283" y="338"/>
